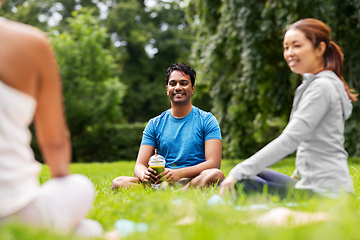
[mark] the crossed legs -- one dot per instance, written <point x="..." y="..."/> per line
<point x="61" y="205"/>
<point x="204" y="179"/>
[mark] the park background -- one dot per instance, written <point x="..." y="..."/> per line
<point x="113" y="56"/>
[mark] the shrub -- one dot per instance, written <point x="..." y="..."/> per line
<point x="105" y="143"/>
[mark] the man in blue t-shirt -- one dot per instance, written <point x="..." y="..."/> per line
<point x="188" y="138"/>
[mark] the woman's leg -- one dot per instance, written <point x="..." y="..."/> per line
<point x="62" y="205"/>
<point x="276" y="177"/>
<point x="276" y="183"/>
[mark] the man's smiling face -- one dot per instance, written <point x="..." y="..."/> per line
<point x="179" y="88"/>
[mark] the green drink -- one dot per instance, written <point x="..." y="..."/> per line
<point x="158" y="169"/>
<point x="157" y="162"/>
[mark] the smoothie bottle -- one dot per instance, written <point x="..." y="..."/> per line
<point x="157" y="162"/>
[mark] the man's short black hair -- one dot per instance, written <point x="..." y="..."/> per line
<point x="181" y="67"/>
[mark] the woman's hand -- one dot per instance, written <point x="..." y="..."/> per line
<point x="296" y="175"/>
<point x="170" y="175"/>
<point x="228" y="186"/>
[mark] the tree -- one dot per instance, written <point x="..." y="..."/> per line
<point x="38" y="12"/>
<point x="136" y="27"/>
<point x="238" y="51"/>
<point x="92" y="93"/>
<point x="26" y="11"/>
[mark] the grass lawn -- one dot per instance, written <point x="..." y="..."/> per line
<point x="174" y="215"/>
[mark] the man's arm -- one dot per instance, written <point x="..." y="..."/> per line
<point x="141" y="170"/>
<point x="213" y="151"/>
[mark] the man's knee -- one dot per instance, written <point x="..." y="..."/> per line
<point x="123" y="182"/>
<point x="212" y="175"/>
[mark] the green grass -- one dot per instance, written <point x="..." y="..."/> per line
<point x="164" y="210"/>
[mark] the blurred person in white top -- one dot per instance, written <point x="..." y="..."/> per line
<point x="30" y="89"/>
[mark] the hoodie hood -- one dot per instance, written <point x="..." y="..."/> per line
<point x="339" y="85"/>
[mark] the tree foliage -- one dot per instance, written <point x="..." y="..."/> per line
<point x="89" y="61"/>
<point x="162" y="28"/>
<point x="92" y="94"/>
<point x="26" y="11"/>
<point x="238" y="53"/>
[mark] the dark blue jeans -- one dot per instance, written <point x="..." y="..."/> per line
<point x="275" y="182"/>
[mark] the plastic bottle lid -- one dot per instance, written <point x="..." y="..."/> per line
<point x="156" y="160"/>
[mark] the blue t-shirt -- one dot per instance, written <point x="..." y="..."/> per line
<point x="181" y="140"/>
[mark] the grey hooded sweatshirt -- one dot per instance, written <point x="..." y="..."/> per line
<point x="316" y="130"/>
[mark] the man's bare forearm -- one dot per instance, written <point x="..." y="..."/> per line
<point x="139" y="170"/>
<point x="193" y="171"/>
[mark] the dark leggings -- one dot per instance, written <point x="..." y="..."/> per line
<point x="275" y="182"/>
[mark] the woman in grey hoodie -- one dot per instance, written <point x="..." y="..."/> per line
<point x="322" y="104"/>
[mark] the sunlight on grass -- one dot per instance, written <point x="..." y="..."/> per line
<point x="172" y="214"/>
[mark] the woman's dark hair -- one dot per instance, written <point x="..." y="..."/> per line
<point x="317" y="31"/>
<point x="181" y="67"/>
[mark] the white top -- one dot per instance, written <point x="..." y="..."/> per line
<point x="316" y="130"/>
<point x="19" y="170"/>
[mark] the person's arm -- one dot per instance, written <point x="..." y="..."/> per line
<point x="276" y="150"/>
<point x="312" y="109"/>
<point x="141" y="170"/>
<point x="213" y="150"/>
<point x="50" y="124"/>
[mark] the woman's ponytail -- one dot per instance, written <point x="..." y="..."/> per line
<point x="334" y="59"/>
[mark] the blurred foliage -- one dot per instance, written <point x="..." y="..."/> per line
<point x="163" y="29"/>
<point x="92" y="94"/>
<point x="235" y="46"/>
<point x="111" y="142"/>
<point x="238" y="55"/>
<point x="106" y="143"/>
<point x="26" y="11"/>
<point x="95" y="50"/>
<point x="38" y="12"/>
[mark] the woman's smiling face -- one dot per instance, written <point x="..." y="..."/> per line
<point x="300" y="54"/>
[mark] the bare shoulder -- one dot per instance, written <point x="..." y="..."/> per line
<point x="27" y="48"/>
<point x="23" y="45"/>
<point x="24" y="30"/>
<point x="22" y="36"/>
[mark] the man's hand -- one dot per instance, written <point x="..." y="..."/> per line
<point x="228" y="186"/>
<point x="149" y="176"/>
<point x="170" y="175"/>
